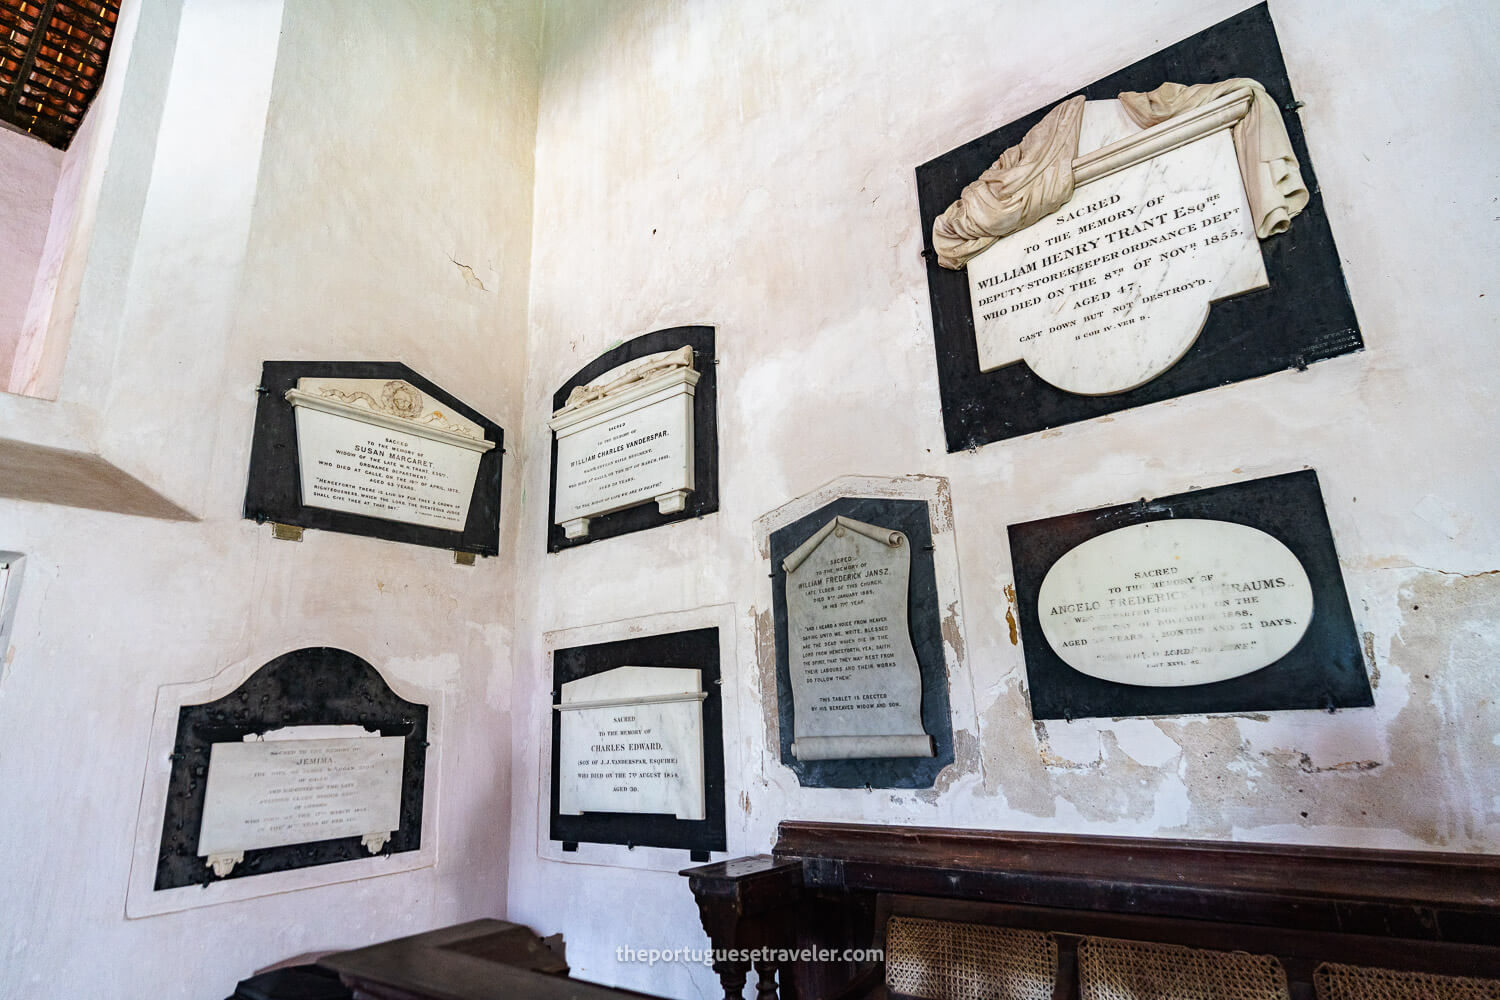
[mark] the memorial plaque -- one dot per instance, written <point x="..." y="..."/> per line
<point x="856" y="685"/>
<point x="638" y="751"/>
<point x="312" y="760"/>
<point x="1111" y="290"/>
<point x="1221" y="600"/>
<point x="862" y="693"/>
<point x="275" y="793"/>
<point x="625" y="440"/>
<point x="372" y="448"/>
<point x="635" y="439"/>
<point x="632" y="742"/>
<point x="1173" y="603"/>
<point x="398" y="457"/>
<point x="1158" y="233"/>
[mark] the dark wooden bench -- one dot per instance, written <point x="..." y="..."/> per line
<point x="478" y="960"/>
<point x="834" y="886"/>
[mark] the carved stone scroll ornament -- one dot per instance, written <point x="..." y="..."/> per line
<point x="1037" y="176"/>
<point x="616" y="380"/>
<point x="398" y="400"/>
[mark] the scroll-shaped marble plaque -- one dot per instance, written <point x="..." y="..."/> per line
<point x="1111" y="290"/>
<point x="631" y="741"/>
<point x="275" y="793"/>
<point x="856" y="685"/>
<point x="1175" y="603"/>
<point x="626" y="439"/>
<point x="382" y="448"/>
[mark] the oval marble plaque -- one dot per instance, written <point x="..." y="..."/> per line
<point x="1175" y="603"/>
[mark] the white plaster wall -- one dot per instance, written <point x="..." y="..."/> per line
<point x="752" y="167"/>
<point x="390" y="139"/>
<point x="29" y="169"/>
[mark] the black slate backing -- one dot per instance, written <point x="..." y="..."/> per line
<point x="1325" y="670"/>
<point x="315" y="686"/>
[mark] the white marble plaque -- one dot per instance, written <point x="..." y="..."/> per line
<point x="382" y="449"/>
<point x="278" y="792"/>
<point x="632" y="445"/>
<point x="856" y="684"/>
<point x="1175" y="603"/>
<point x="631" y="741"/>
<point x="1113" y="288"/>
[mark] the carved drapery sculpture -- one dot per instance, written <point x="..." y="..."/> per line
<point x="1035" y="176"/>
<point x="639" y="372"/>
<point x="1029" y="180"/>
<point x="1273" y="180"/>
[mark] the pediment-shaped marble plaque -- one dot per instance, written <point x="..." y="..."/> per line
<point x="373" y="448"/>
<point x="381" y="448"/>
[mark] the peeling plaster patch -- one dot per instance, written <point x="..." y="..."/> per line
<point x="951" y="634"/>
<point x="1016" y="773"/>
<point x="1304" y="763"/>
<point x="1374" y="667"/>
<point x="965" y="761"/>
<point x="765" y="660"/>
<point x="940" y="511"/>
<point x="1348" y="765"/>
<point x="1433" y="781"/>
<point x="1070" y="746"/>
<point x="1010" y="614"/>
<point x="1115" y="788"/>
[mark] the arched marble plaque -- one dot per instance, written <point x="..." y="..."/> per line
<point x="1175" y="603"/>
<point x="336" y="774"/>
